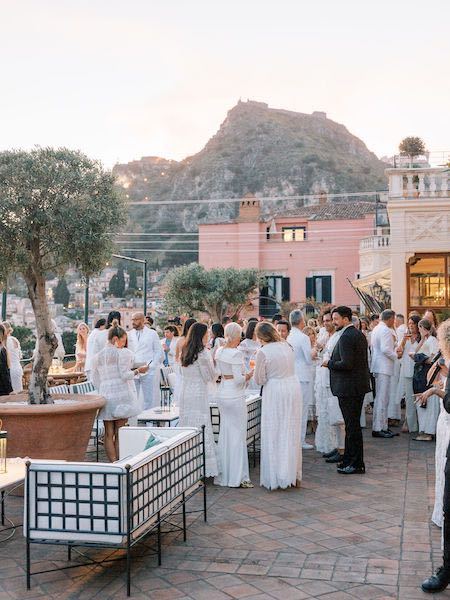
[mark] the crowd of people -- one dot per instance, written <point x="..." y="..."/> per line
<point x="328" y="372"/>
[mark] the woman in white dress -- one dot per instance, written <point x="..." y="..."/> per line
<point x="197" y="371"/>
<point x="442" y="442"/>
<point x="14" y="351"/>
<point x="113" y="376"/>
<point x="81" y="347"/>
<point x="407" y="346"/>
<point x="428" y="409"/>
<point x="232" y="445"/>
<point x="217" y="338"/>
<point x="249" y="347"/>
<point x="443" y="426"/>
<point x="281" y="416"/>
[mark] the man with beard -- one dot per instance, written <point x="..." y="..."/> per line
<point x="349" y="381"/>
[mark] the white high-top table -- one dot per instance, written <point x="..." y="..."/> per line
<point x="15" y="475"/>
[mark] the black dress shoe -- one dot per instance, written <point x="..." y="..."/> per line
<point x="336" y="458"/>
<point x="382" y="434"/>
<point x="393" y="433"/>
<point x="330" y="454"/>
<point x="350" y="470"/>
<point x="437" y="583"/>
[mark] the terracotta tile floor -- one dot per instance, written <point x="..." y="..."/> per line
<point x="337" y="538"/>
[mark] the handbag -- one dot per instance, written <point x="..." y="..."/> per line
<point x="421" y="369"/>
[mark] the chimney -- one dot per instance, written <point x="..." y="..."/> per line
<point x="249" y="209"/>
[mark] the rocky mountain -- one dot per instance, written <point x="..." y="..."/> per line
<point x="270" y="152"/>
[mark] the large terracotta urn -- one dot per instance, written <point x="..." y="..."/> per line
<point x="58" y="431"/>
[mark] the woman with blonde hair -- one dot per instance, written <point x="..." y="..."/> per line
<point x="113" y="376"/>
<point x="281" y="416"/>
<point x="14" y="351"/>
<point x="232" y="445"/>
<point x="81" y="346"/>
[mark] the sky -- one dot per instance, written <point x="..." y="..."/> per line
<point x="122" y="79"/>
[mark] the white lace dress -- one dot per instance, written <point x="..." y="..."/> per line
<point x="281" y="416"/>
<point x="428" y="416"/>
<point x="194" y="403"/>
<point x="230" y="397"/>
<point x="15" y="368"/>
<point x="112" y="376"/>
<point x="440" y="458"/>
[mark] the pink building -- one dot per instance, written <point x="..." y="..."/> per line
<point x="307" y="253"/>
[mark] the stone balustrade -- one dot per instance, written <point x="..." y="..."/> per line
<point x="419" y="182"/>
<point x="374" y="242"/>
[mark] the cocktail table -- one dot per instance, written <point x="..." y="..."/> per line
<point x="14" y="476"/>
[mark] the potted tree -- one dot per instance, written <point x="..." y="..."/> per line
<point x="58" y="209"/>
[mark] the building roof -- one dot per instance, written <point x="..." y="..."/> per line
<point x="330" y="211"/>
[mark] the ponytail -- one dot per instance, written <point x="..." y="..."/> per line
<point x="116" y="330"/>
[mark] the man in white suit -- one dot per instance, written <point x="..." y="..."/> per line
<point x="384" y="357"/>
<point x="145" y="344"/>
<point x="301" y="344"/>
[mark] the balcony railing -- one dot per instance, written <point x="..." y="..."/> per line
<point x="374" y="242"/>
<point x="419" y="182"/>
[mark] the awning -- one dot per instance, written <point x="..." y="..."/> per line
<point x="383" y="278"/>
<point x="374" y="290"/>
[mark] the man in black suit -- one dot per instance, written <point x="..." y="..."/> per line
<point x="349" y="380"/>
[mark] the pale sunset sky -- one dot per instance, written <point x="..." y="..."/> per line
<point x="121" y="79"/>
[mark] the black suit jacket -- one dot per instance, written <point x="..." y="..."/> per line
<point x="349" y="368"/>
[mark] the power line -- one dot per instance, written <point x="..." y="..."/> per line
<point x="260" y="198"/>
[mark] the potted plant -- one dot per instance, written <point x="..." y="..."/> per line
<point x="58" y="209"/>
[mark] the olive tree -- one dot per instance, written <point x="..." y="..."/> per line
<point x="412" y="146"/>
<point x="58" y="208"/>
<point x="191" y="288"/>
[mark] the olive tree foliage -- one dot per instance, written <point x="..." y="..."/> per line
<point x="412" y="146"/>
<point x="58" y="208"/>
<point x="217" y="292"/>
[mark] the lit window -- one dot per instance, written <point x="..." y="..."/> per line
<point x="294" y="234"/>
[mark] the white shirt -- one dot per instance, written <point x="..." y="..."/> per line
<point x="383" y="349"/>
<point x="171" y="353"/>
<point x="146" y="346"/>
<point x="301" y="344"/>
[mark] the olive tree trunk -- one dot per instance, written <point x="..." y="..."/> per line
<point x="46" y="342"/>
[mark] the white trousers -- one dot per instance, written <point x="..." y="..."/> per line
<point x="307" y="398"/>
<point x="396" y="394"/>
<point x="381" y="402"/>
<point x="145" y="385"/>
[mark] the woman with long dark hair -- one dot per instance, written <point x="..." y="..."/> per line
<point x="197" y="371"/>
<point x="217" y="338"/>
<point x="405" y="385"/>
<point x="182" y="339"/>
<point x="5" y="376"/>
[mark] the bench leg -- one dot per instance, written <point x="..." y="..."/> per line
<point x="159" y="541"/>
<point x="69" y="552"/>
<point x="184" y="517"/>
<point x="3" y="507"/>
<point x="28" y="561"/>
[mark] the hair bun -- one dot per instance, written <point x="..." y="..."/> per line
<point x="115" y="323"/>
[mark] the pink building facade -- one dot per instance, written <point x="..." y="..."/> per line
<point x="310" y="253"/>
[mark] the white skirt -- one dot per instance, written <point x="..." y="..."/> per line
<point x="281" y="418"/>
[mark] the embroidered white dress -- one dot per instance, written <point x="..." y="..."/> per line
<point x="112" y="376"/>
<point x="194" y="403"/>
<point x="15" y="368"/>
<point x="440" y="458"/>
<point x="324" y="438"/>
<point x="281" y="416"/>
<point x="230" y="397"/>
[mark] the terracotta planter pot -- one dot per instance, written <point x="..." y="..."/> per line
<point x="54" y="431"/>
